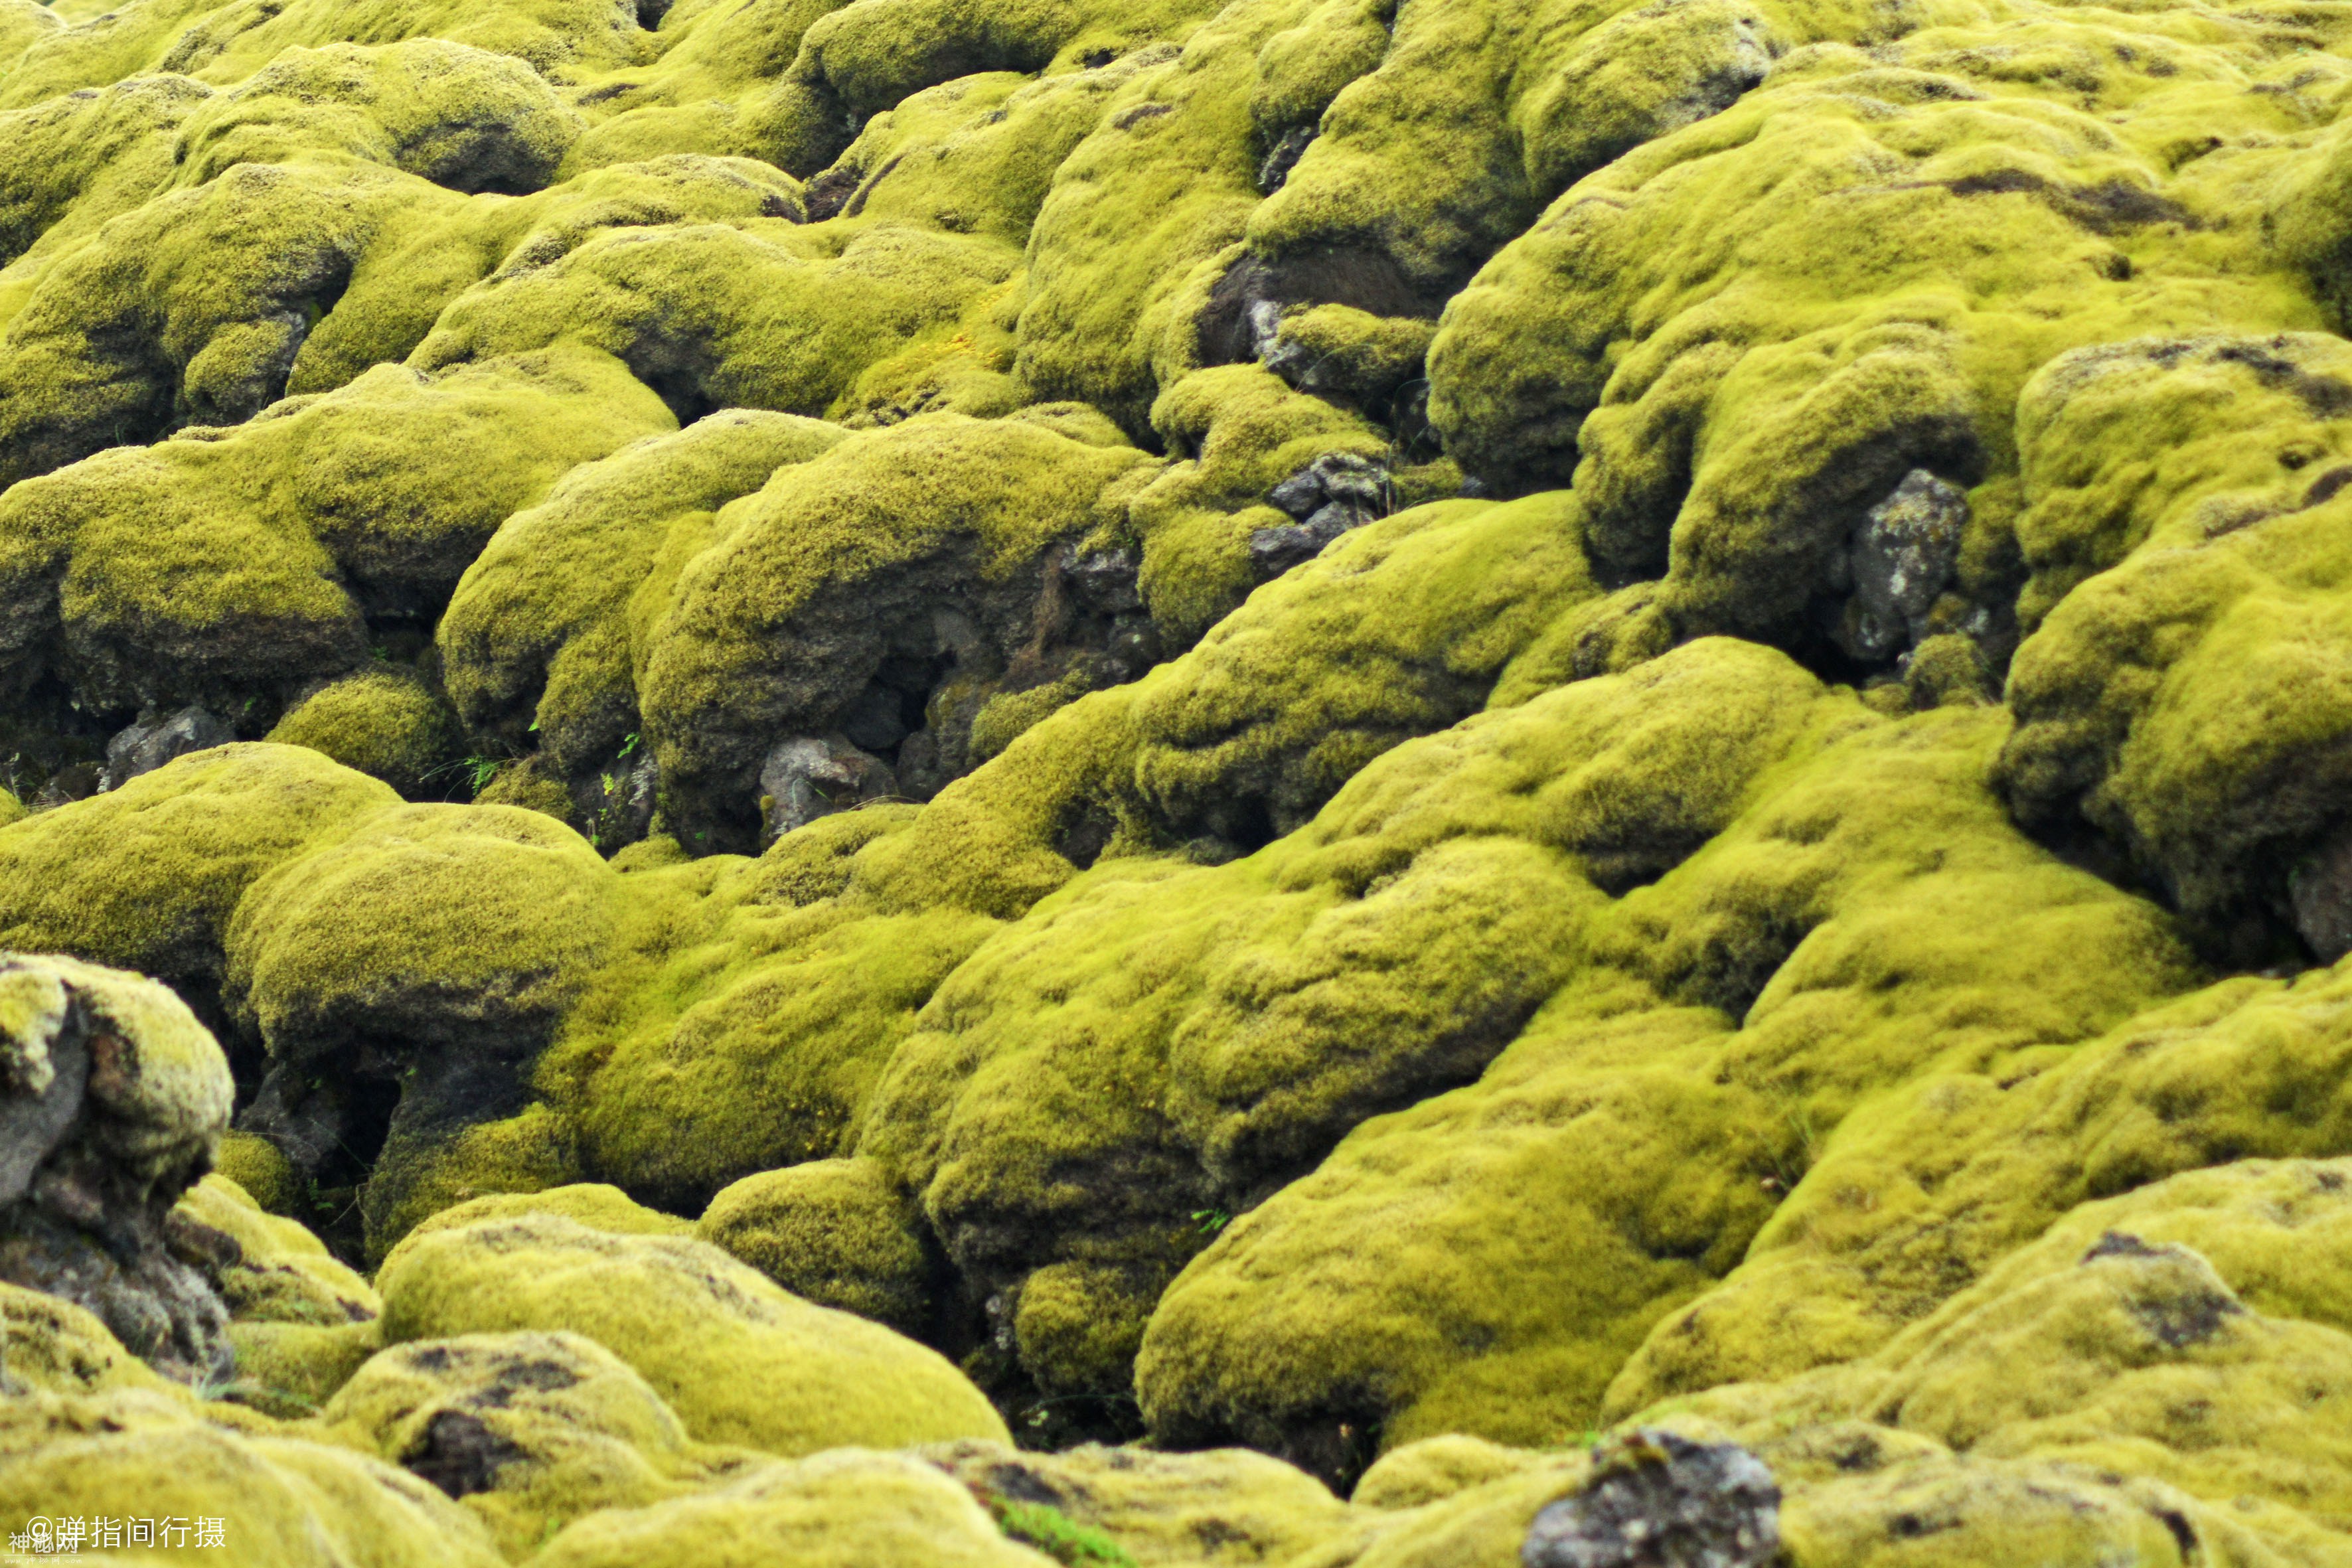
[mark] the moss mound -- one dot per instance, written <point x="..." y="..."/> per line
<point x="740" y="1360"/>
<point x="1479" y="744"/>
<point x="389" y="727"/>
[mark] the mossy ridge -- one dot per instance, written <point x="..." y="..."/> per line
<point x="1734" y="1010"/>
<point x="538" y="638"/>
<point x="741" y="1360"/>
<point x="2177" y="699"/>
<point x="1729" y="432"/>
<point x="209" y="566"/>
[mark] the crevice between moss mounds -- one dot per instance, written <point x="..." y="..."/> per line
<point x="113" y="1098"/>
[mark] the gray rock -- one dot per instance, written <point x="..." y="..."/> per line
<point x="113" y="1098"/>
<point x="812" y="777"/>
<point x="1657" y="1501"/>
<point x="1904" y="556"/>
<point x="620" y="802"/>
<point x="1273" y="550"/>
<point x="1335" y="477"/>
<point x="2319" y="891"/>
<point x="1106" y="581"/>
<point x="147" y="746"/>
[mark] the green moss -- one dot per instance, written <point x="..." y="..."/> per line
<point x="206" y="565"/>
<point x="290" y="1371"/>
<point x="258" y="1170"/>
<point x="460" y="117"/>
<point x="720" y="316"/>
<point x="1728" y="437"/>
<point x="431" y="250"/>
<point x="2183" y="701"/>
<point x="71" y="164"/>
<point x="844" y="549"/>
<point x="55" y="1347"/>
<point x="283" y="1273"/>
<point x="531" y="1430"/>
<point x="1054" y="1533"/>
<point x="2171" y="1089"/>
<point x="452" y="933"/>
<point x="544" y="609"/>
<point x="147" y="876"/>
<point x="1433" y="1468"/>
<point x="844" y="1510"/>
<point x="1155" y="194"/>
<point x="833" y="1232"/>
<point x="391" y="726"/>
<point x="283" y="1501"/>
<point x="1246" y="433"/>
<point x="1841" y="881"/>
<point x="749" y="1014"/>
<point x="1228" y="1505"/>
<point x="976" y="156"/>
<point x="740" y="1360"/>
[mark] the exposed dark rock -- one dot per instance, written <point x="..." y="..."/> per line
<point x="1335" y="492"/>
<point x="147" y="744"/>
<point x="2319" y="891"/>
<point x="1276" y="170"/>
<point x="1657" y="1501"/>
<point x="460" y="1454"/>
<point x="1904" y="554"/>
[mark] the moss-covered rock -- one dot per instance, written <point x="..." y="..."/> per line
<point x="847" y="1509"/>
<point x="740" y="1360"/>
<point x="391" y="726"/>
<point x="1274" y="919"/>
<point x="834" y="1232"/>
<point x="215" y="564"/>
<point x="426" y="961"/>
<point x="1225" y="1506"/>
<point x="529" y="1430"/>
<point x="115" y="1098"/>
<point x="275" y="1499"/>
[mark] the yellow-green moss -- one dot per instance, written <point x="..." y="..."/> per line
<point x="283" y="1273"/>
<point x="833" y="1232"/>
<point x="55" y="1347"/>
<point x="1226" y="1506"/>
<point x="596" y="1205"/>
<point x="259" y="1170"/>
<point x="460" y="117"/>
<point x="1720" y="1021"/>
<point x="849" y="1509"/>
<point x="204" y="564"/>
<point x="283" y="1501"/>
<point x="529" y="1430"/>
<point x="2183" y="698"/>
<point x="391" y="726"/>
<point x="544" y="609"/>
<point x="146" y="877"/>
<point x="740" y="1360"/>
<point x="748" y="1015"/>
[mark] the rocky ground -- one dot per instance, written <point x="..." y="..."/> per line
<point x="1331" y="783"/>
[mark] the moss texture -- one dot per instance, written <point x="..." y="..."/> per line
<point x="741" y="1360"/>
<point x="1402" y="734"/>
